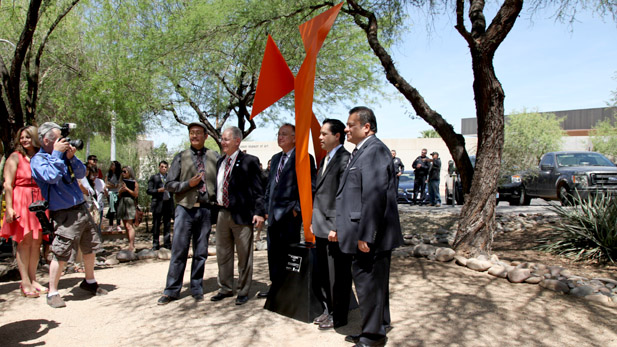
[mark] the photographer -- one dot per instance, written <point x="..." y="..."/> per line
<point x="56" y="171"/>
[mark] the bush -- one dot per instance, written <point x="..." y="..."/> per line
<point x="586" y="231"/>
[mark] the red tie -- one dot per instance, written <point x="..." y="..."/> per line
<point x="226" y="183"/>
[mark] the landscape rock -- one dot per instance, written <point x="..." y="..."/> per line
<point x="124" y="256"/>
<point x="598" y="298"/>
<point x="146" y="254"/>
<point x="555" y="270"/>
<point x="460" y="260"/>
<point x="112" y="261"/>
<point x="164" y="254"/>
<point x="423" y="250"/>
<point x="261" y="245"/>
<point x="479" y="265"/>
<point x="498" y="271"/>
<point x="444" y="254"/>
<point x="518" y="275"/>
<point x="555" y="285"/>
<point x="533" y="279"/>
<point x="582" y="291"/>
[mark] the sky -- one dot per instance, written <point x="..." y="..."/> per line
<point x="543" y="65"/>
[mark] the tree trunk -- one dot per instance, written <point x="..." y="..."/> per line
<point x="477" y="223"/>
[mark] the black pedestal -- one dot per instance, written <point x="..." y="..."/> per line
<point x="293" y="296"/>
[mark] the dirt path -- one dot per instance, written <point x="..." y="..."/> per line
<point x="432" y="304"/>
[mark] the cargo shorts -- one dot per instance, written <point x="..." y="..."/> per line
<point x="73" y="226"/>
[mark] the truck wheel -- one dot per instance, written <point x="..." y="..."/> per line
<point x="564" y="195"/>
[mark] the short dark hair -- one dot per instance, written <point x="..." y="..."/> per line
<point x="336" y="127"/>
<point x="365" y="115"/>
<point x="164" y="162"/>
<point x="92" y="156"/>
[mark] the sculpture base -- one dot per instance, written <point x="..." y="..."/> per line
<point x="293" y="296"/>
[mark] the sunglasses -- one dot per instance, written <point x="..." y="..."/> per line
<point x="124" y="171"/>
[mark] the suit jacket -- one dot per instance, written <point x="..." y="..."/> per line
<point x="245" y="190"/>
<point x="154" y="183"/>
<point x="366" y="206"/>
<point x="283" y="197"/>
<point x="324" y="209"/>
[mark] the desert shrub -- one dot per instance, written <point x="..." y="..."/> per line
<point x="587" y="230"/>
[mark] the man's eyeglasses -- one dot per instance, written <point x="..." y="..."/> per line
<point x="196" y="133"/>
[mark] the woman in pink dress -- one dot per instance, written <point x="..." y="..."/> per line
<point x="19" y="223"/>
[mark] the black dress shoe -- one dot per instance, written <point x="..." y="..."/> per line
<point x="165" y="299"/>
<point x="198" y="297"/>
<point x="263" y="294"/>
<point x="241" y="299"/>
<point x="327" y="324"/>
<point x="221" y="296"/>
<point x="352" y="338"/>
<point x="373" y="343"/>
<point x="322" y="317"/>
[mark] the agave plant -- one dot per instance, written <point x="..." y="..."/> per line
<point x="587" y="230"/>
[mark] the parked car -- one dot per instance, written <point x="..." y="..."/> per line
<point x="405" y="188"/>
<point x="510" y="188"/>
<point x="561" y="175"/>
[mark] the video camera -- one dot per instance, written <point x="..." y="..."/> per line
<point x="65" y="130"/>
<point x="39" y="207"/>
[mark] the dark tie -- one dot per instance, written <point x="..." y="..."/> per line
<point x="355" y="150"/>
<point x="226" y="183"/>
<point x="278" y="172"/>
<point x="201" y="168"/>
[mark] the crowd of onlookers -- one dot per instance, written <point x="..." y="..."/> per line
<point x="426" y="171"/>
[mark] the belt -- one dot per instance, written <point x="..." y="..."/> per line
<point x="203" y="205"/>
<point x="74" y="207"/>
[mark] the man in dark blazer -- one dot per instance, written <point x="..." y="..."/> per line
<point x="367" y="223"/>
<point x="283" y="203"/>
<point x="333" y="270"/>
<point x="162" y="206"/>
<point x="240" y="197"/>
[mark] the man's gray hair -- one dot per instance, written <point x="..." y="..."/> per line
<point x="235" y="132"/>
<point x="45" y="128"/>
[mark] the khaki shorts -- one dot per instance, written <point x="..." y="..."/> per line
<point x="73" y="226"/>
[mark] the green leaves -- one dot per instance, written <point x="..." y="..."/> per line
<point x="527" y="136"/>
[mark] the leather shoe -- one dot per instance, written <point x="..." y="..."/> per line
<point x="221" y="296"/>
<point x="241" y="299"/>
<point x="165" y="299"/>
<point x="263" y="294"/>
<point x="378" y="343"/>
<point x="327" y="324"/>
<point x="320" y="318"/>
<point x="352" y="338"/>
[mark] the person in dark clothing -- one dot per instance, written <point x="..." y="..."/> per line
<point x="420" y="169"/>
<point x="398" y="166"/>
<point x="433" y="180"/>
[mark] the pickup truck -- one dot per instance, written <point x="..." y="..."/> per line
<point x="561" y="175"/>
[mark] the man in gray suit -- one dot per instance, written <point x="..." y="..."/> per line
<point x="333" y="269"/>
<point x="367" y="223"/>
<point x="282" y="199"/>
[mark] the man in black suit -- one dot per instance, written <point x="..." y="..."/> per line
<point x="162" y="206"/>
<point x="240" y="197"/>
<point x="420" y="170"/>
<point x="283" y="203"/>
<point x="333" y="271"/>
<point x="367" y="223"/>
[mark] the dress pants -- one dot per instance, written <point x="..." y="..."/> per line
<point x="371" y="275"/>
<point x="228" y="234"/>
<point x="165" y="217"/>
<point x="332" y="279"/>
<point x="281" y="234"/>
<point x="189" y="224"/>
<point x="419" y="184"/>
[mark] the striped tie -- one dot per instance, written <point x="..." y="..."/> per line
<point x="355" y="150"/>
<point x="281" y="165"/>
<point x="226" y="183"/>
